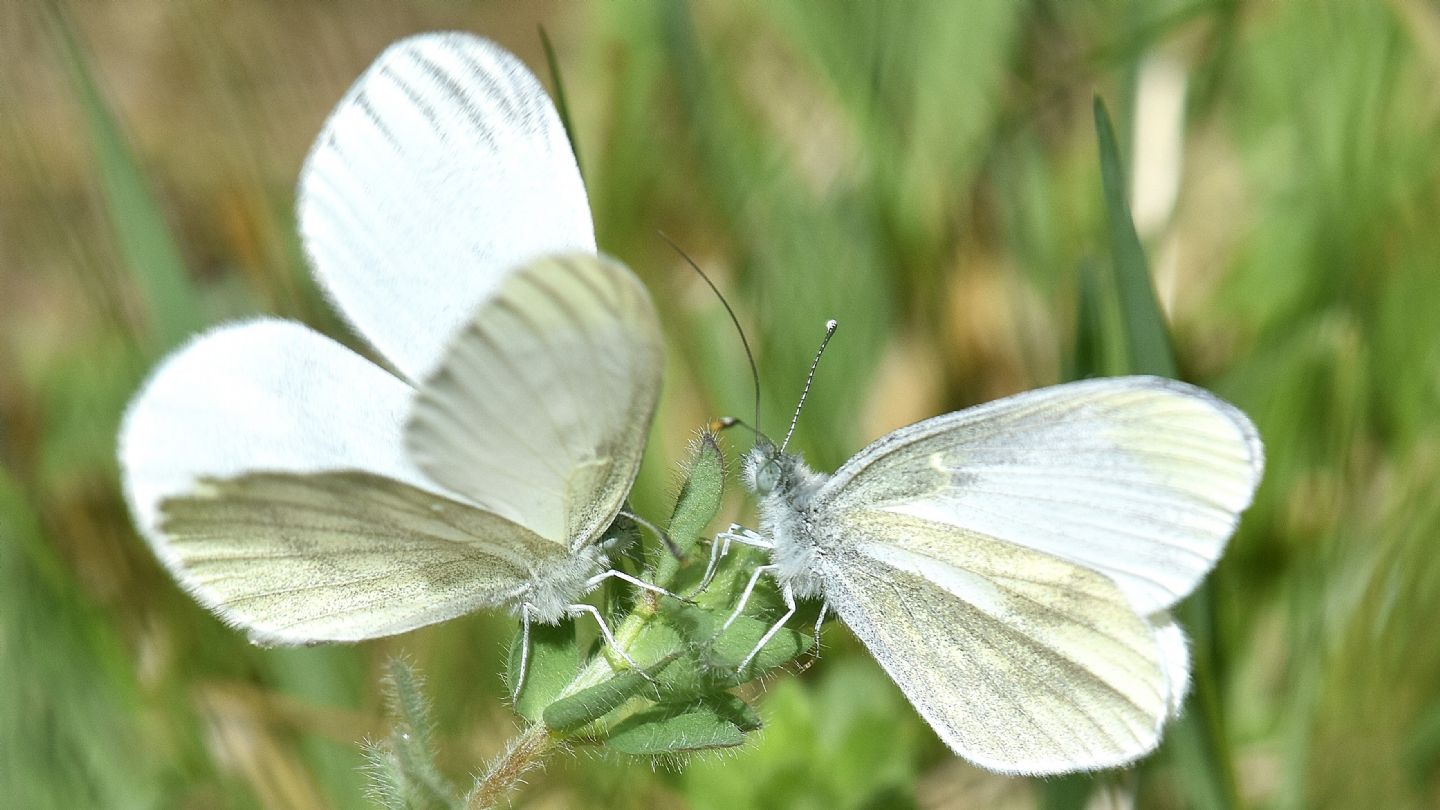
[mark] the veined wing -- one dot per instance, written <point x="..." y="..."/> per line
<point x="540" y="408"/>
<point x="444" y="167"/>
<point x="344" y="556"/>
<point x="1021" y="662"/>
<point x="1140" y="478"/>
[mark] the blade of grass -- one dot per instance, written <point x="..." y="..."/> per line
<point x="1147" y="339"/>
<point x="1099" y="348"/>
<point x="1197" y="741"/>
<point x="146" y="243"/>
<point x="561" y="106"/>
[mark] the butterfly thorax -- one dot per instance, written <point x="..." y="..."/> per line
<point x="787" y="489"/>
<point x="557" y="583"/>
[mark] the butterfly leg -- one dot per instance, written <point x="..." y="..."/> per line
<point x="820" y="620"/>
<point x="639" y="583"/>
<point x="815" y="650"/>
<point x="747" y="537"/>
<point x="745" y="595"/>
<point x="720" y="546"/>
<point x="788" y="594"/>
<point x="524" y="651"/>
<point x="577" y="609"/>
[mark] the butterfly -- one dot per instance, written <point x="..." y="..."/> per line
<point x="306" y="494"/>
<point x="1010" y="565"/>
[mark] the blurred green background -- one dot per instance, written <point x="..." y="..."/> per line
<point x="926" y="173"/>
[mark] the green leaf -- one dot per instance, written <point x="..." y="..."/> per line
<point x="724" y="650"/>
<point x="735" y="710"/>
<point x="698" y="501"/>
<point x="146" y="243"/>
<point x="588" y="705"/>
<point x="1147" y="339"/>
<point x="740" y="639"/>
<point x="554" y="661"/>
<point x="669" y="729"/>
<point x="700" y="496"/>
<point x="660" y="640"/>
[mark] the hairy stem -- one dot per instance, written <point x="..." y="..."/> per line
<point x="505" y="774"/>
<point x="527" y="751"/>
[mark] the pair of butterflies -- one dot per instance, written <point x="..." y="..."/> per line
<point x="1009" y="565"/>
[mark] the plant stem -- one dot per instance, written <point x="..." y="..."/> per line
<point x="504" y="774"/>
<point x="527" y="751"/>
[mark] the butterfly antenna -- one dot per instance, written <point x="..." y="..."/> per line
<point x="750" y="356"/>
<point x="656" y="530"/>
<point x="829" y="333"/>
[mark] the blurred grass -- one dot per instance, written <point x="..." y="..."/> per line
<point x="151" y="257"/>
<point x="926" y="174"/>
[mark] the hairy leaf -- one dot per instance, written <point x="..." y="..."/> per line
<point x="554" y="661"/>
<point x="669" y="729"/>
<point x="588" y="705"/>
<point x="698" y="502"/>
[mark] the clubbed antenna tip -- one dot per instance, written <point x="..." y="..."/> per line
<point x="830" y="327"/>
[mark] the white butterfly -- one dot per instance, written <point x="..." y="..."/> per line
<point x="1010" y="565"/>
<point x="306" y="494"/>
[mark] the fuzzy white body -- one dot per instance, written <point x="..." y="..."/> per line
<point x="553" y="589"/>
<point x="786" y="519"/>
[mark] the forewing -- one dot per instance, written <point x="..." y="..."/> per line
<point x="540" y="408"/>
<point x="259" y="395"/>
<point x="345" y="556"/>
<point x="443" y="167"/>
<point x="1140" y="478"/>
<point x="1021" y="662"/>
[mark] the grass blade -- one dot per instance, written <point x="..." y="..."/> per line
<point x="146" y="243"/>
<point x="1147" y="339"/>
<point x="561" y="106"/>
<point x="1197" y="741"/>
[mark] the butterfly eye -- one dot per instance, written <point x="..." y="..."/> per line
<point x="767" y="477"/>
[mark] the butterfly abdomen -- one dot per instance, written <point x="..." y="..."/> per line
<point x="561" y="583"/>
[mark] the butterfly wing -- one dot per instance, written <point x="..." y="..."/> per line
<point x="343" y="556"/>
<point x="540" y="408"/>
<point x="1140" y="478"/>
<point x="1175" y="658"/>
<point x="444" y="167"/>
<point x="277" y="397"/>
<point x="1022" y="662"/>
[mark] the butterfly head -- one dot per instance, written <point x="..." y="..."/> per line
<point x="764" y="470"/>
<point x="771" y="472"/>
